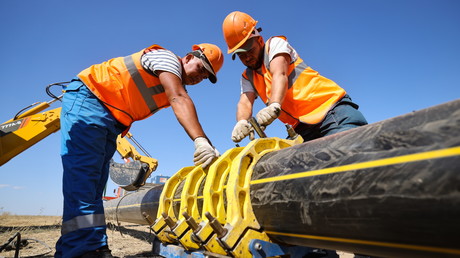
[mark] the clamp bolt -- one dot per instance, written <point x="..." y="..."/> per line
<point x="190" y="221"/>
<point x="169" y="221"/>
<point x="215" y="225"/>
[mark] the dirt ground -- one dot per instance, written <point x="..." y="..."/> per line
<point x="42" y="232"/>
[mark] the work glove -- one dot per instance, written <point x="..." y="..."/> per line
<point x="241" y="130"/>
<point x="205" y="153"/>
<point x="268" y="114"/>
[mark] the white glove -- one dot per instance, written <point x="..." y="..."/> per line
<point x="241" y="130"/>
<point x="268" y="114"/>
<point x="204" y="154"/>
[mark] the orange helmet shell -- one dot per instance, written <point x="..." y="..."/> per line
<point x="213" y="54"/>
<point x="237" y="28"/>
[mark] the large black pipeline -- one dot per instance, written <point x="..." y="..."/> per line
<point x="388" y="189"/>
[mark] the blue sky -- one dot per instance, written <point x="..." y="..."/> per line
<point x="392" y="56"/>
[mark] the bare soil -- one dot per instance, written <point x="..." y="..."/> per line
<point x="42" y="232"/>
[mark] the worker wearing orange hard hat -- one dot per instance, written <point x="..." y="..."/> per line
<point x="292" y="91"/>
<point x="101" y="103"/>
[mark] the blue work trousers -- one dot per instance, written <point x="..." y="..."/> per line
<point x="343" y="116"/>
<point x="89" y="135"/>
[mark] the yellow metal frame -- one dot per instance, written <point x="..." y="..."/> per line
<point x="189" y="204"/>
<point x="215" y="200"/>
<point x="225" y="199"/>
<point x="166" y="206"/>
<point x="242" y="225"/>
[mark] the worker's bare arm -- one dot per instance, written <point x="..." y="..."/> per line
<point x="182" y="104"/>
<point x="279" y="70"/>
<point x="244" y="108"/>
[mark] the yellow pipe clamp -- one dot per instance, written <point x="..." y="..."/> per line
<point x="211" y="208"/>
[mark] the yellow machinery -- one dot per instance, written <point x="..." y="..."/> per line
<point x="26" y="129"/>
<point x="36" y="123"/>
<point x="212" y="198"/>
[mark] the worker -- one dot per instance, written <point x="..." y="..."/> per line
<point x="101" y="103"/>
<point x="292" y="91"/>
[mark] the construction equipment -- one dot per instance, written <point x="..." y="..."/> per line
<point x="137" y="168"/>
<point x="34" y="123"/>
<point x="389" y="189"/>
<point x="26" y="129"/>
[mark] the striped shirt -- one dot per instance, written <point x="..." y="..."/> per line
<point x="162" y="60"/>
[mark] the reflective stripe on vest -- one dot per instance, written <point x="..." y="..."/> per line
<point x="84" y="221"/>
<point x="295" y="73"/>
<point x="309" y="95"/>
<point x="145" y="91"/>
<point x="292" y="76"/>
<point x="129" y="91"/>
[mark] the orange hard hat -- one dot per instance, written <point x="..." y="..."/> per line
<point x="237" y="28"/>
<point x="213" y="58"/>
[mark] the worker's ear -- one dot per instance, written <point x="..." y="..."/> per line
<point x="188" y="57"/>
<point x="261" y="41"/>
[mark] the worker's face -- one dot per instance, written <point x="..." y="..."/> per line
<point x="252" y="58"/>
<point x="194" y="71"/>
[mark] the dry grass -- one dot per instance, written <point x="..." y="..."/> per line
<point x="127" y="240"/>
<point x="42" y="229"/>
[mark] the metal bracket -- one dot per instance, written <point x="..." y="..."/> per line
<point x="262" y="249"/>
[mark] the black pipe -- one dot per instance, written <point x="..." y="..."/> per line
<point x="132" y="207"/>
<point x="388" y="189"/>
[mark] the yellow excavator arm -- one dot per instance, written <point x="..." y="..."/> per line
<point x="31" y="126"/>
<point x="127" y="151"/>
<point x="132" y="174"/>
<point x="24" y="130"/>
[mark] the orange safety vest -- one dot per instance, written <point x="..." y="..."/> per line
<point x="309" y="96"/>
<point x="129" y="91"/>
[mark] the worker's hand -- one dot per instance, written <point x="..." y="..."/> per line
<point x="205" y="153"/>
<point x="268" y="114"/>
<point x="241" y="130"/>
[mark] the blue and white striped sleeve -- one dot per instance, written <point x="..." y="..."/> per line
<point x="162" y="60"/>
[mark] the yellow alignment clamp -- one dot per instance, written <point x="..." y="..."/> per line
<point x="215" y="201"/>
<point x="242" y="225"/>
<point x="191" y="194"/>
<point x="167" y="204"/>
<point x="211" y="209"/>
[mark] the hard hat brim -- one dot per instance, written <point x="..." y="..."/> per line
<point x="245" y="47"/>
<point x="212" y="75"/>
<point x="254" y="33"/>
<point x="206" y="64"/>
